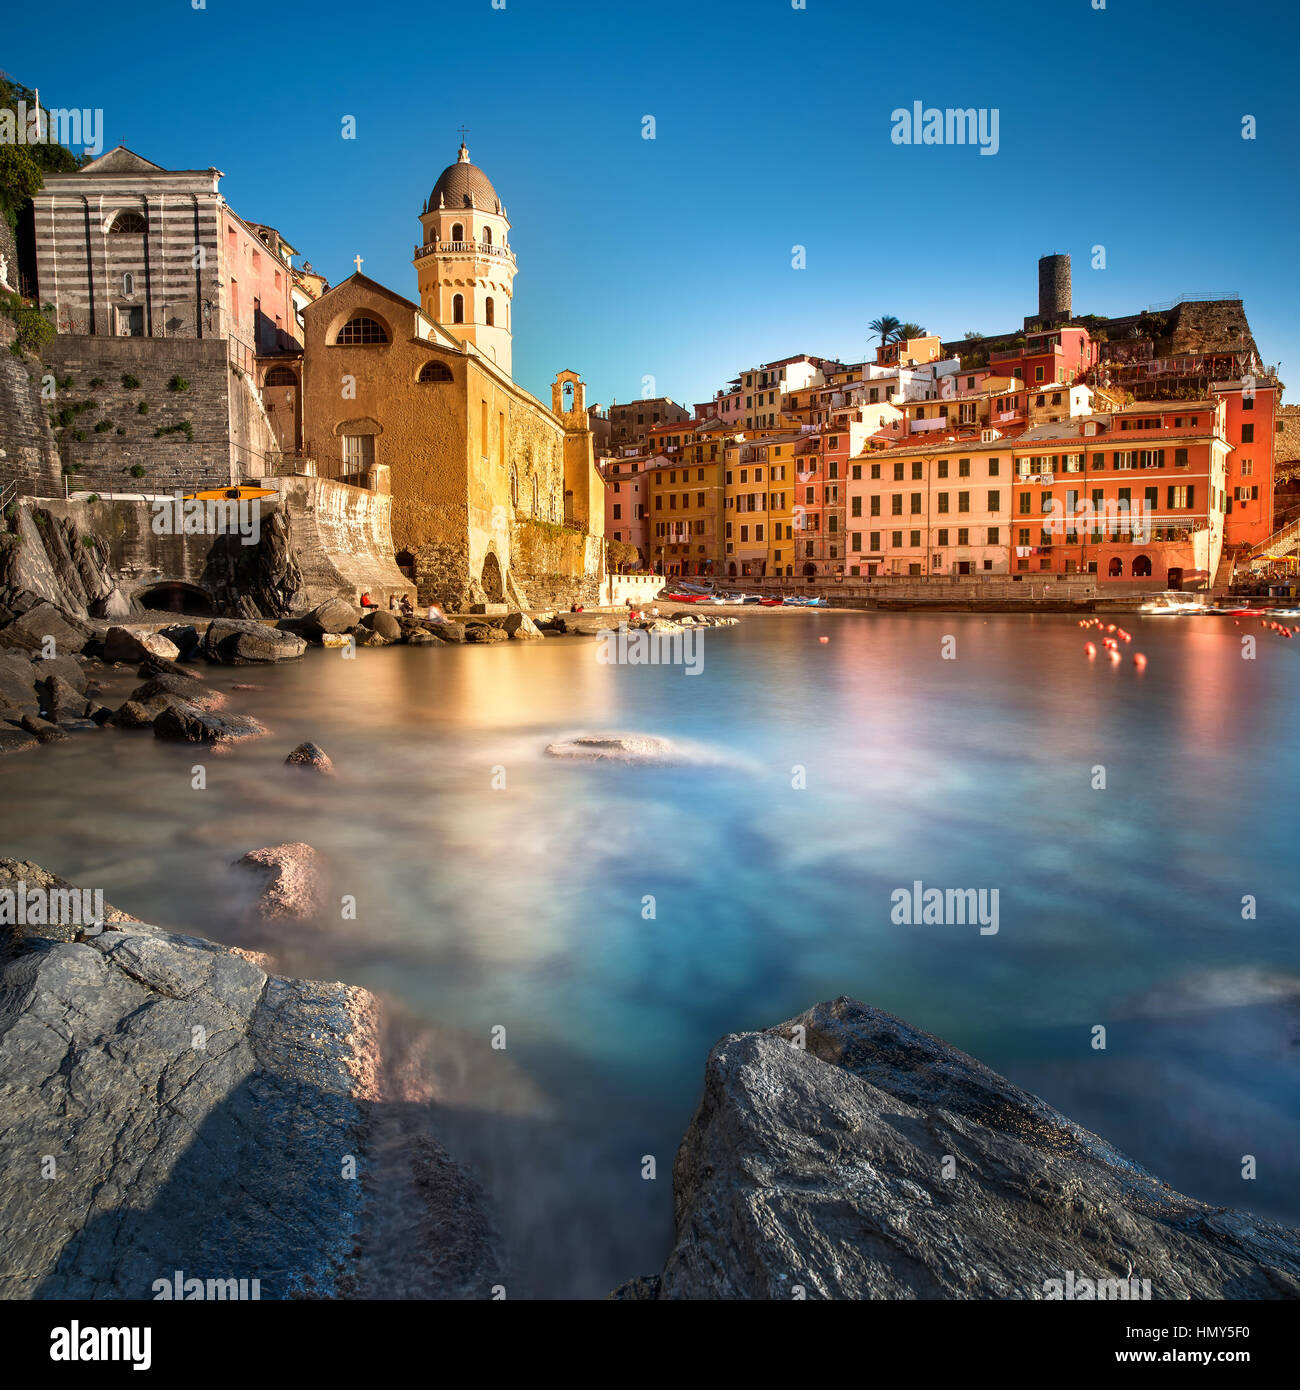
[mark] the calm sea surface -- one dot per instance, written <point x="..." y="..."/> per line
<point x="521" y="906"/>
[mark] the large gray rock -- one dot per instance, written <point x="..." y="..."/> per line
<point x="334" y="615"/>
<point x="483" y="632"/>
<point x="385" y="624"/>
<point x="22" y="876"/>
<point x="198" y="1110"/>
<point x="18" y="677"/>
<point x="206" y="1116"/>
<point x="242" y="642"/>
<point x="822" y="1168"/>
<point x="520" y="627"/>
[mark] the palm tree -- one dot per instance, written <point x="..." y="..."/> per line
<point x="904" y="331"/>
<point x="883" y="328"/>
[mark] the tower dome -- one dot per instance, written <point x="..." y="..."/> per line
<point x="463" y="185"/>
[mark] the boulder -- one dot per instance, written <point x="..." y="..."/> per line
<point x="217" y="1157"/>
<point x="293" y="890"/>
<point x="481" y="632"/>
<point x="332" y="616"/>
<point x="43" y="729"/>
<point x="852" y="1156"/>
<point x="16" y="740"/>
<point x="116" y="606"/>
<point x="420" y="638"/>
<point x="180" y="721"/>
<point x="61" y="699"/>
<point x="385" y="624"/>
<point x="18" y="677"/>
<point x="243" y="642"/>
<point x="312" y="757"/>
<point x="155" y="666"/>
<point x="32" y="630"/>
<point x="131" y="714"/>
<point x="136" y="643"/>
<point x="181" y="688"/>
<point x="447" y="632"/>
<point x="520" y="627"/>
<point x="183" y="636"/>
<point x="68" y="667"/>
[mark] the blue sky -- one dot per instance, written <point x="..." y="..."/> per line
<point x="671" y="258"/>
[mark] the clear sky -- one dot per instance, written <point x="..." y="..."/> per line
<point x="671" y="258"/>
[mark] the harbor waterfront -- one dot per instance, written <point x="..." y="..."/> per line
<point x="615" y="920"/>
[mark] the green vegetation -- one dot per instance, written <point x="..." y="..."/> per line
<point x="33" y="328"/>
<point x="178" y="383"/>
<point x="142" y="408"/>
<point x="129" y="383"/>
<point x="96" y="382"/>
<point x="23" y="167"/>
<point x="137" y="470"/>
<point x="103" y="426"/>
<point x="180" y="427"/>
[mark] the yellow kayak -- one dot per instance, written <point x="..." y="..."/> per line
<point x="230" y="494"/>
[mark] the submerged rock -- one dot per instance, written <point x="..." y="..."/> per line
<point x="623" y="748"/>
<point x="850" y="1155"/>
<point x="293" y="891"/>
<point x="312" y="757"/>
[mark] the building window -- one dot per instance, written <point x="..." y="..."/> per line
<point x="361" y="330"/>
<point x="486" y="234"/>
<point x="128" y="224"/>
<point x="1248" y="434"/>
<point x="434" y="371"/>
<point x="458" y="308"/>
<point x="489" y="313"/>
<point x="457" y="232"/>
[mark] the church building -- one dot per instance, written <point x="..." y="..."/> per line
<point x="495" y="497"/>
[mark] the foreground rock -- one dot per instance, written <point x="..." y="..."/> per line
<point x="242" y="642"/>
<point x="199" y="1111"/>
<point x="21" y="876"/>
<point x="520" y="627"/>
<point x="623" y="748"/>
<point x="822" y="1169"/>
<point x="293" y="890"/>
<point x="333" y="616"/>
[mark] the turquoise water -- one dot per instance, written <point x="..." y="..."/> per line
<point x="523" y="906"/>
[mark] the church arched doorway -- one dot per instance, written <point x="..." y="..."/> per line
<point x="493" y="584"/>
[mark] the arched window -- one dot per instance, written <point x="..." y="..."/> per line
<point x="434" y="371"/>
<point x="458" y="308"/>
<point x="361" y="330"/>
<point x="487" y="236"/>
<point x="1141" y="567"/>
<point x="457" y="232"/>
<point x="280" y="376"/>
<point x="128" y="223"/>
<point x="489" y="310"/>
<point x="128" y="283"/>
<point x="1116" y="567"/>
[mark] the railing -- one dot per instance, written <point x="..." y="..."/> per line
<point x="465" y="248"/>
<point x="1190" y="299"/>
<point x="1284" y="539"/>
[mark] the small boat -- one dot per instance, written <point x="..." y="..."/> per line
<point x="230" y="494"/>
<point x="1170" y="605"/>
<point x="771" y="602"/>
<point x="754" y="598"/>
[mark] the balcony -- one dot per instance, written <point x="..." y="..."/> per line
<point x="482" y="249"/>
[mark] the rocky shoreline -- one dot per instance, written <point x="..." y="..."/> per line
<point x="168" y="1103"/>
<point x="56" y="668"/>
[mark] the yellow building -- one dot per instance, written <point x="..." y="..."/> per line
<point x="684" y="506"/>
<point x="495" y="497"/>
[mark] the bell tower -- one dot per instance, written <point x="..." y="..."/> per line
<point x="464" y="265"/>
